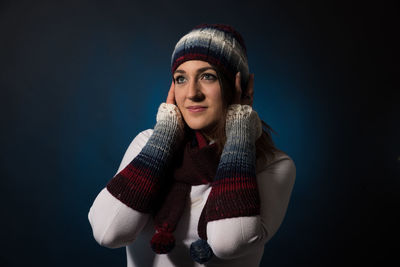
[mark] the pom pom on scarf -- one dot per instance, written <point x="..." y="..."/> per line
<point x="162" y="242"/>
<point x="200" y="251"/>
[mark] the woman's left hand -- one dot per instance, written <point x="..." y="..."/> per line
<point x="247" y="97"/>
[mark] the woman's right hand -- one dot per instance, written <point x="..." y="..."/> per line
<point x="169" y="112"/>
<point x="171" y="94"/>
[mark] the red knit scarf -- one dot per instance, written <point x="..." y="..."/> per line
<point x="195" y="164"/>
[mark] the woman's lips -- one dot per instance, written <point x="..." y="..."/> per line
<point x="196" y="108"/>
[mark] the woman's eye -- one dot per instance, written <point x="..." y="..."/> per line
<point x="209" y="76"/>
<point x="206" y="76"/>
<point x="179" y="79"/>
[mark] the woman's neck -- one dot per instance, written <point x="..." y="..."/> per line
<point x="212" y="133"/>
<point x="207" y="136"/>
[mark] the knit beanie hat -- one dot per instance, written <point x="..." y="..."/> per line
<point x="218" y="44"/>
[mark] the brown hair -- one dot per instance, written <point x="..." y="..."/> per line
<point x="265" y="147"/>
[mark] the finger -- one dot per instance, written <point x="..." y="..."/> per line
<point x="238" y="90"/>
<point x="171" y="94"/>
<point x="247" y="98"/>
<point x="250" y="85"/>
<point x="250" y="90"/>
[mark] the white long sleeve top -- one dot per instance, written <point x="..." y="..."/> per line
<point x="235" y="241"/>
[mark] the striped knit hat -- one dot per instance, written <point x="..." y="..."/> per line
<point x="218" y="44"/>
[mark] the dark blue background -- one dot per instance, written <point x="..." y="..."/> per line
<point x="79" y="79"/>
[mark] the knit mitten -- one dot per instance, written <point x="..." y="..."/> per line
<point x="234" y="190"/>
<point x="138" y="184"/>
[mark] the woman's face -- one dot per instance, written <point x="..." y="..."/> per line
<point x="198" y="94"/>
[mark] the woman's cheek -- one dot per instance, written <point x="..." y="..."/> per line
<point x="179" y="98"/>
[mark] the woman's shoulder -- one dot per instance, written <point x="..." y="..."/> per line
<point x="136" y="145"/>
<point x="140" y="139"/>
<point x="279" y="159"/>
<point x="143" y="135"/>
<point x="280" y="171"/>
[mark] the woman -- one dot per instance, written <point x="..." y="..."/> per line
<point x="206" y="185"/>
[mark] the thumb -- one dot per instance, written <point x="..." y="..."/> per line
<point x="171" y="94"/>
<point x="238" y="89"/>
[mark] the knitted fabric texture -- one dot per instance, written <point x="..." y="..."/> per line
<point x="217" y="44"/>
<point x="234" y="190"/>
<point x="232" y="175"/>
<point x="196" y="164"/>
<point x="138" y="184"/>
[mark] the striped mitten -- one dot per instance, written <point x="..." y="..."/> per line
<point x="138" y="184"/>
<point x="234" y="190"/>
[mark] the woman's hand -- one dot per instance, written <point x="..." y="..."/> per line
<point x="171" y="94"/>
<point x="247" y="98"/>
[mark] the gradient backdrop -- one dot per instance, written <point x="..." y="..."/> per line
<point x="79" y="79"/>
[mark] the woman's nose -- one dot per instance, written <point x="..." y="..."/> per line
<point x="194" y="91"/>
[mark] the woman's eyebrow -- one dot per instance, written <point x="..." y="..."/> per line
<point x="198" y="71"/>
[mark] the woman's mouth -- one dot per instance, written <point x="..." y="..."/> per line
<point x="196" y="108"/>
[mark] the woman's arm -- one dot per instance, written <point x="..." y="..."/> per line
<point x="121" y="210"/>
<point x="247" y="209"/>
<point x="139" y="183"/>
<point x="113" y="223"/>
<point x="233" y="237"/>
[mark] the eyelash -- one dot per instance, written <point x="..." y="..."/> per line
<point x="213" y="77"/>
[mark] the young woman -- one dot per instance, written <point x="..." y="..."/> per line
<point x="206" y="185"/>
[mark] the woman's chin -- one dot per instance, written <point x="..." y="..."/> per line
<point x="201" y="127"/>
<point x="195" y="127"/>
